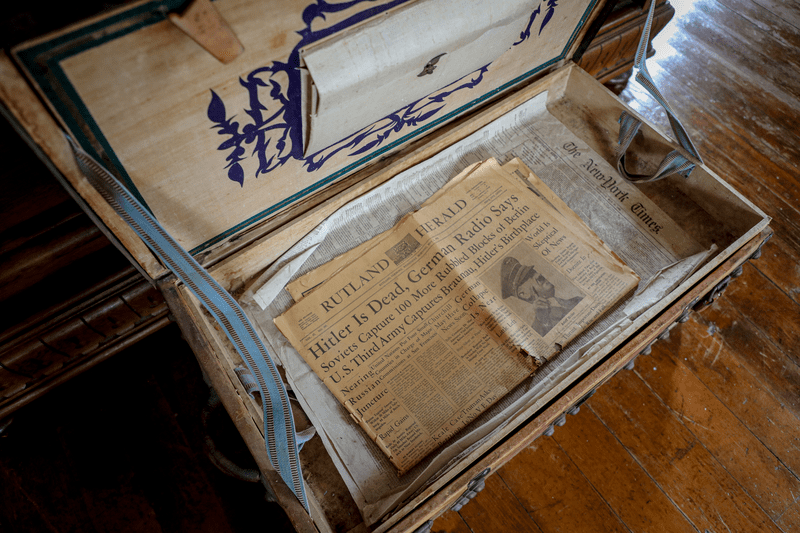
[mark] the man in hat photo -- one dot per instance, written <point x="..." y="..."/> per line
<point x="525" y="283"/>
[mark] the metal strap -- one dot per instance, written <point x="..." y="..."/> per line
<point x="281" y="441"/>
<point x="675" y="162"/>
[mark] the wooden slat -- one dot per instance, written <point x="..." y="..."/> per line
<point x="750" y="292"/>
<point x="629" y="490"/>
<point x="24" y="217"/>
<point x="756" y="351"/>
<point x="788" y="11"/>
<point x="790" y="521"/>
<point x="687" y="472"/>
<point x="781" y="264"/>
<point x="11" y="383"/>
<point x="45" y="254"/>
<point x="727" y="92"/>
<point x="760" y="473"/>
<point x="112" y="317"/>
<point x="74" y="338"/>
<point x="144" y="299"/>
<point x="725" y="32"/>
<point x="19" y="390"/>
<point x="450" y="522"/>
<point x="33" y="359"/>
<point x="495" y="510"/>
<point x="711" y="357"/>
<point x="555" y="493"/>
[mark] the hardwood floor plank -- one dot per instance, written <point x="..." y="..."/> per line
<point x="450" y="522"/>
<point x="779" y="31"/>
<point x="196" y="498"/>
<point x="727" y="92"/>
<point x="630" y="492"/>
<point x="764" y="182"/>
<point x="129" y="477"/>
<point x="710" y="357"/>
<point x="780" y="263"/>
<point x="771" y="310"/>
<point x="692" y="478"/>
<point x="725" y="33"/>
<point x="555" y="493"/>
<point x="121" y="511"/>
<point x="119" y="457"/>
<point x="754" y="466"/>
<point x="755" y="351"/>
<point x="190" y="506"/>
<point x="788" y="11"/>
<point x="790" y="521"/>
<point x="496" y="510"/>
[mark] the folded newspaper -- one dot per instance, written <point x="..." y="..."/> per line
<point x="419" y="330"/>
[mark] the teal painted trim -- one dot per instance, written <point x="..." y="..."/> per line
<point x="153" y="12"/>
<point x="89" y="121"/>
<point x="580" y="25"/>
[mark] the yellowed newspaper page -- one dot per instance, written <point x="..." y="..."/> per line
<point x="306" y="283"/>
<point x="459" y="303"/>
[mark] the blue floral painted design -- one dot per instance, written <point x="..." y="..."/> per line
<point x="273" y="132"/>
<point x="413" y="114"/>
<point x="548" y="14"/>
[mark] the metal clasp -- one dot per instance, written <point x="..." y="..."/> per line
<point x="430" y="66"/>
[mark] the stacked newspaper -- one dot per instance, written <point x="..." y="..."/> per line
<point x="422" y="328"/>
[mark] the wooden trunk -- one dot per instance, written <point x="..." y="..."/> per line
<point x="42" y="217"/>
<point x="219" y="361"/>
<point x="705" y="206"/>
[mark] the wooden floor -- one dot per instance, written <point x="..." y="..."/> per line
<point x="703" y="435"/>
<point x="120" y="449"/>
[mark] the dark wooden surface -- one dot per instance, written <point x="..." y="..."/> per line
<point x="119" y="448"/>
<point x="701" y="436"/>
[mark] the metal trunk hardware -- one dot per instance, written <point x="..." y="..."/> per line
<point x="473" y="488"/>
